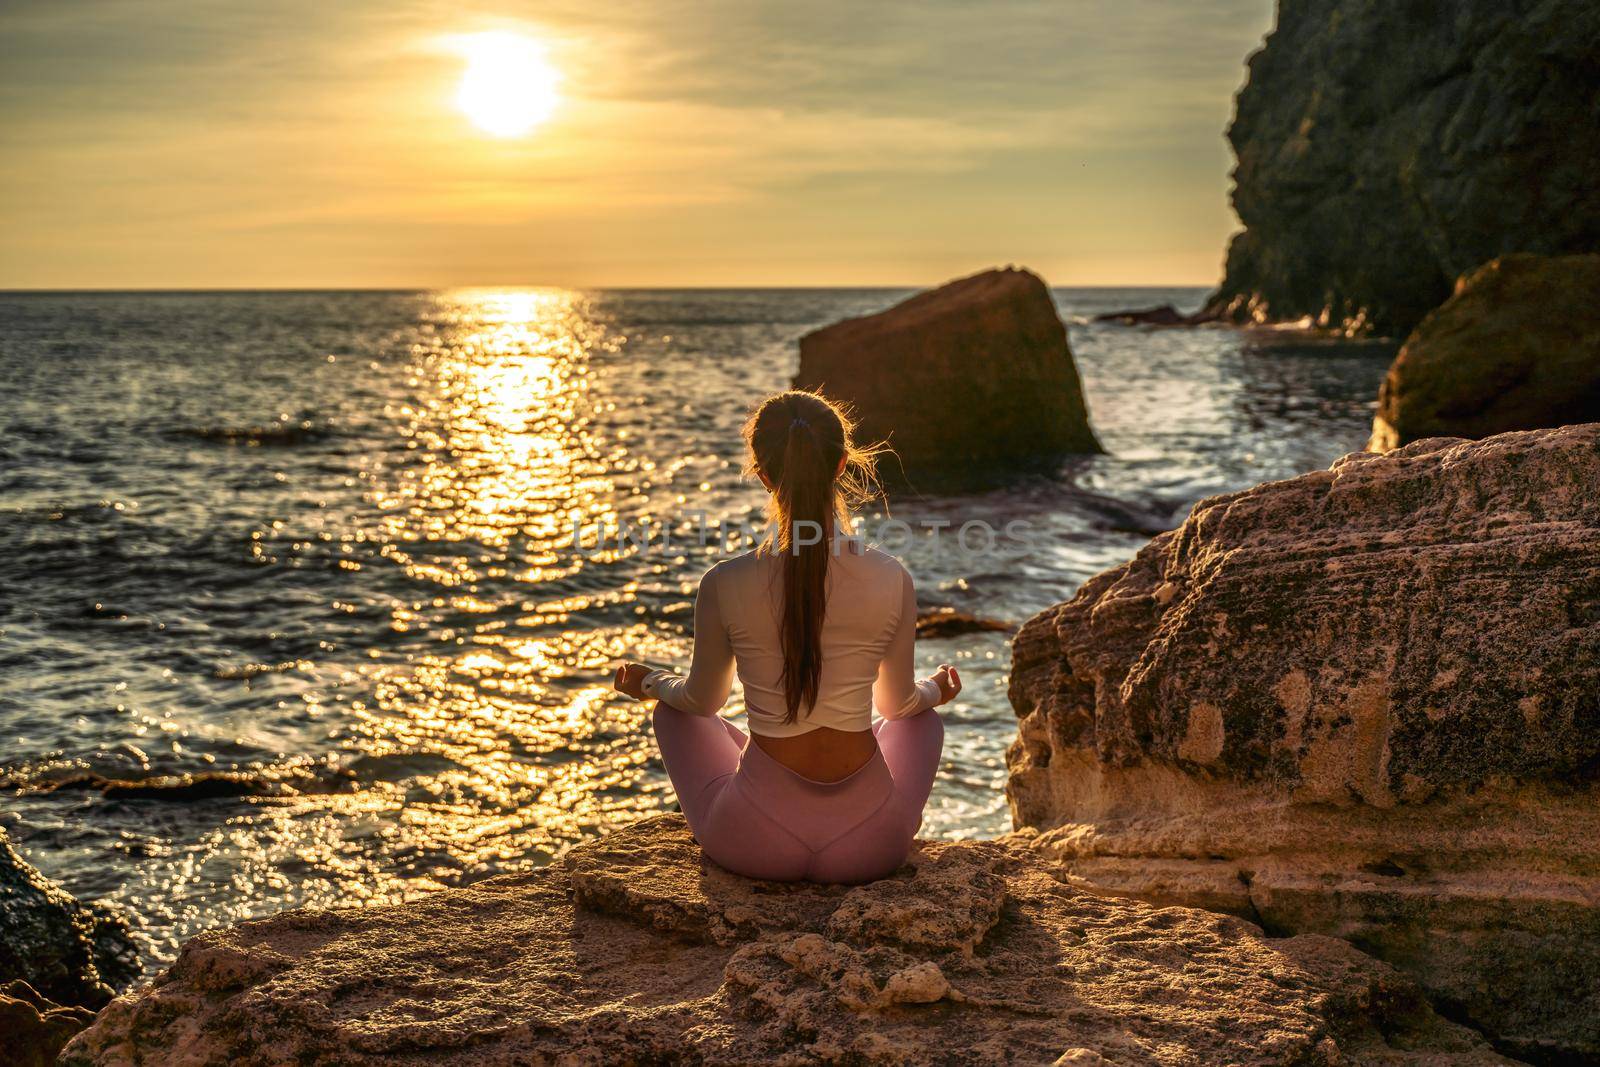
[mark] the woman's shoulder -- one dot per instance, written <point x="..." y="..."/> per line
<point x="732" y="568"/>
<point x="879" y="562"/>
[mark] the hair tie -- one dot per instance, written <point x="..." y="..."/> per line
<point x="799" y="420"/>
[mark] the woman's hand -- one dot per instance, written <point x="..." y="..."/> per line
<point x="630" y="680"/>
<point x="949" y="682"/>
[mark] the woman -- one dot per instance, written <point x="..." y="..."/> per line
<point x="821" y="629"/>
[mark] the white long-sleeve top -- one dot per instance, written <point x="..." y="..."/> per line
<point x="868" y="644"/>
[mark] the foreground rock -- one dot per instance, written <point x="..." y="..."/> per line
<point x="1386" y="149"/>
<point x="637" y="952"/>
<point x="1362" y="702"/>
<point x="35" y="1029"/>
<point x="970" y="382"/>
<point x="1516" y="348"/>
<point x="71" y="953"/>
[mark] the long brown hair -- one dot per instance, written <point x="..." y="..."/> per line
<point x="801" y="442"/>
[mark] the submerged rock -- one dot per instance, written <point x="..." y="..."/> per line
<point x="936" y="623"/>
<point x="1362" y="702"/>
<point x="1386" y="149"/>
<point x="637" y="951"/>
<point x="273" y="435"/>
<point x="971" y="383"/>
<point x="72" y="953"/>
<point x="1161" y="315"/>
<point x="1516" y="348"/>
<point x="205" y="785"/>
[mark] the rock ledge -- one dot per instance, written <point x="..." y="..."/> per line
<point x="637" y="951"/>
<point x="1363" y="702"/>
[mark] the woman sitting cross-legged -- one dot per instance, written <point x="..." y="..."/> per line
<point x="821" y="630"/>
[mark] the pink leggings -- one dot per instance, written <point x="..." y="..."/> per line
<point x="756" y="817"/>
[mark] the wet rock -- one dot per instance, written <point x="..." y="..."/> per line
<point x="637" y="951"/>
<point x="72" y="953"/>
<point x="1161" y="315"/>
<point x="34" y="1030"/>
<point x="176" y="788"/>
<point x="971" y="383"/>
<point x="1361" y="702"/>
<point x="272" y="783"/>
<point x="1386" y="149"/>
<point x="1516" y="348"/>
<point x="273" y="435"/>
<point x="936" y="623"/>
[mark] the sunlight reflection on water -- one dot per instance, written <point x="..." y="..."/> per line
<point x="502" y="412"/>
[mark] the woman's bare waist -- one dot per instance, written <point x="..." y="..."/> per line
<point x="824" y="753"/>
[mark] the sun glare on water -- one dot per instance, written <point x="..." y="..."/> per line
<point x="508" y="87"/>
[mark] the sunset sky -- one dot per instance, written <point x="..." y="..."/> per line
<point x="150" y="144"/>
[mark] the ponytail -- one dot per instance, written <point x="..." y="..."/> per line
<point x="801" y="443"/>
<point x="805" y="535"/>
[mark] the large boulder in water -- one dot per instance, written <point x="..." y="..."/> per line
<point x="970" y="382"/>
<point x="1363" y="702"/>
<point x="637" y="951"/>
<point x="1516" y="348"/>
<point x="1385" y="149"/>
<point x="70" y="952"/>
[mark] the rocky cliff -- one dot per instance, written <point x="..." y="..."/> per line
<point x="970" y="382"/>
<point x="636" y="951"/>
<point x="1384" y="149"/>
<point x="1361" y="702"/>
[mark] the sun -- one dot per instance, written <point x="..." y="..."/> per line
<point x="508" y="87"/>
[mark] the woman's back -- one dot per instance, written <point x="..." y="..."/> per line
<point x="867" y="640"/>
<point x="867" y="601"/>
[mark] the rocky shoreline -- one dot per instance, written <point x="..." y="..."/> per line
<point x="1312" y="779"/>
<point x="635" y="950"/>
<point x="1309" y="780"/>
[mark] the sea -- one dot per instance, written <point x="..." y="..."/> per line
<point x="314" y="598"/>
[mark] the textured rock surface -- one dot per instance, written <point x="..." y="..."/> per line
<point x="1362" y="702"/>
<point x="1516" y="348"/>
<point x="1385" y="149"/>
<point x="70" y="952"/>
<point x="969" y="382"/>
<point x="637" y="952"/>
<point x="33" y="1030"/>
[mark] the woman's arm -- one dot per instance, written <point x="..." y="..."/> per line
<point x="897" y="694"/>
<point x="710" y="678"/>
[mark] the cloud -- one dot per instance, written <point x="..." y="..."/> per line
<point x="208" y="125"/>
